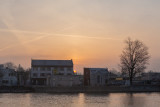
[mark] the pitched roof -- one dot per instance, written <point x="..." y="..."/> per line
<point x="52" y="63"/>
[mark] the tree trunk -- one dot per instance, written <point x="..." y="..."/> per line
<point x="131" y="81"/>
<point x="131" y="77"/>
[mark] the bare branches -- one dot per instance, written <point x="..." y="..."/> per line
<point x="134" y="58"/>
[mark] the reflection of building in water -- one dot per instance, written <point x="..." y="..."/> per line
<point x="53" y="73"/>
<point x="95" y="76"/>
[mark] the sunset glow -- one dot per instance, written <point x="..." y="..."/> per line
<point x="91" y="33"/>
<point x="75" y="71"/>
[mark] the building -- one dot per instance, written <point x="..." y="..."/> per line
<point x="43" y="69"/>
<point x="151" y="76"/>
<point x="23" y="76"/>
<point x="7" y="76"/>
<point x="95" y="76"/>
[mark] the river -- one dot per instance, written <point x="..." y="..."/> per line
<point x="80" y="100"/>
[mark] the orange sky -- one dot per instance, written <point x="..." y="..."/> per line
<point x="92" y="33"/>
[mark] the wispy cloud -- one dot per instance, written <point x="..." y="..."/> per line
<point x="45" y="35"/>
<point x="25" y="42"/>
<point x="58" y="34"/>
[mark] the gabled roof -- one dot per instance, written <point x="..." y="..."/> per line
<point x="52" y="63"/>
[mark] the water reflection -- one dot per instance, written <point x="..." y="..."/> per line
<point x="81" y="100"/>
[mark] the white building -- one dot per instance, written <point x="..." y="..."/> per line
<point x="7" y="77"/>
<point x="95" y="76"/>
<point x="43" y="69"/>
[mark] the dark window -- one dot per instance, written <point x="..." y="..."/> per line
<point x="49" y="74"/>
<point x="61" y="69"/>
<point x="98" y="79"/>
<point x="69" y="74"/>
<point x="69" y="69"/>
<point x="35" y="68"/>
<point x="60" y="74"/>
<point x="55" y="68"/>
<point x="42" y="68"/>
<point x="48" y="68"/>
<point x="42" y="74"/>
<point x="11" y="82"/>
<point x="5" y="81"/>
<point x="35" y="74"/>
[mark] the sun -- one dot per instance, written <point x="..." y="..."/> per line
<point x="75" y="71"/>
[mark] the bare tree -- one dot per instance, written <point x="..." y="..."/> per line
<point x="134" y="58"/>
<point x="10" y="65"/>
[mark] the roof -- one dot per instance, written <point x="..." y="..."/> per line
<point x="52" y="63"/>
<point x="98" y="70"/>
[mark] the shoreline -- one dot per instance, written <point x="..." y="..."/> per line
<point x="81" y="89"/>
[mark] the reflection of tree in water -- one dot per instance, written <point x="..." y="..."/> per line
<point x="93" y="99"/>
<point x="133" y="99"/>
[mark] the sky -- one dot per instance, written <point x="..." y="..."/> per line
<point x="90" y="32"/>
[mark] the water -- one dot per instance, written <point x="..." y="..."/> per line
<point x="80" y="100"/>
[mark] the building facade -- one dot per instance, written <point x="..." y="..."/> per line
<point x="152" y="76"/>
<point x="95" y="76"/>
<point x="43" y="69"/>
<point x="7" y="77"/>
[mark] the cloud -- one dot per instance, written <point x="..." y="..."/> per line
<point x="44" y="35"/>
<point x="58" y="34"/>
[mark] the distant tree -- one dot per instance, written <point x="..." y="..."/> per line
<point x="114" y="71"/>
<point x="10" y="65"/>
<point x="134" y="58"/>
<point x="20" y="69"/>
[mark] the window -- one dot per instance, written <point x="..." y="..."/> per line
<point x="4" y="81"/>
<point x="35" y="68"/>
<point x="42" y="68"/>
<point x="69" y="69"/>
<point x="11" y="82"/>
<point x="48" y="74"/>
<point x="60" y="74"/>
<point x="69" y="74"/>
<point x="61" y="69"/>
<point x="55" y="68"/>
<point x="48" y="68"/>
<point x="98" y="79"/>
<point x="42" y="74"/>
<point x="35" y="75"/>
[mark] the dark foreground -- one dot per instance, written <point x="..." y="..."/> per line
<point x="106" y="89"/>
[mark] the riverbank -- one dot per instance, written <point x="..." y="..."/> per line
<point x="80" y="89"/>
<point x="106" y="89"/>
<point x="16" y="89"/>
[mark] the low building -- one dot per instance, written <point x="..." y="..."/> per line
<point x="7" y="76"/>
<point x="95" y="76"/>
<point x="152" y="76"/>
<point x="41" y="70"/>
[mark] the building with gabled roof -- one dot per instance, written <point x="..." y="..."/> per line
<point x="42" y="69"/>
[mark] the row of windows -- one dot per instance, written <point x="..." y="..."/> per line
<point x="48" y="74"/>
<point x="12" y="74"/>
<point x="49" y="68"/>
<point x="41" y="74"/>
